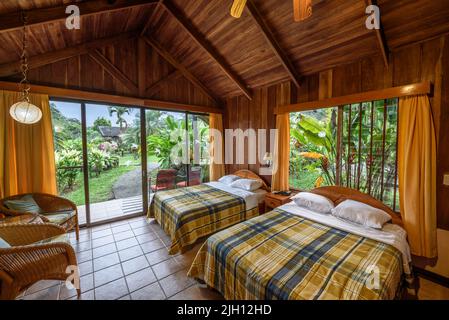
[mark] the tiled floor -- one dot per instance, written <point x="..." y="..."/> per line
<point x="129" y="260"/>
<point x="126" y="260"/>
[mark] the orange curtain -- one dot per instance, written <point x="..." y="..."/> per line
<point x="27" y="162"/>
<point x="417" y="174"/>
<point x="281" y="154"/>
<point x="216" y="168"/>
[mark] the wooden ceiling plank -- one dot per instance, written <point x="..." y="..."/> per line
<point x="13" y="21"/>
<point x="177" y="65"/>
<point x="155" y="87"/>
<point x="273" y="43"/>
<point x="110" y="68"/>
<point x="380" y="34"/>
<point x="11" y="68"/>
<point x="207" y="47"/>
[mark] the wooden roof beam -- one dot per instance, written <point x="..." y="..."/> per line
<point x="207" y="47"/>
<point x="110" y="68"/>
<point x="177" y="65"/>
<point x="13" y="21"/>
<point x="380" y="34"/>
<point x="273" y="43"/>
<point x="11" y="68"/>
<point x="156" y="87"/>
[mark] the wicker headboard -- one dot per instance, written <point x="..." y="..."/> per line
<point x="339" y="194"/>
<point x="247" y="174"/>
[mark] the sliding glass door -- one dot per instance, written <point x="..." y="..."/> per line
<point x="68" y="142"/>
<point x="111" y="159"/>
<point x="199" y="148"/>
<point x="114" y="161"/>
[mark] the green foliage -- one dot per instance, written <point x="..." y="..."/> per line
<point x="66" y="174"/>
<point x="120" y="112"/>
<point x="101" y="122"/>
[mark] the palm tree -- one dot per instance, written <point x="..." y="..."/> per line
<point x="120" y="111"/>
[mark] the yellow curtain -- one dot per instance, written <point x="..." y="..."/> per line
<point x="216" y="168"/>
<point x="27" y="162"/>
<point x="281" y="154"/>
<point x="417" y="174"/>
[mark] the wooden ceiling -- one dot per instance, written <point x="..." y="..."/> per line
<point x="231" y="56"/>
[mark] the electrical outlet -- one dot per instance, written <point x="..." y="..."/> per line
<point x="446" y="179"/>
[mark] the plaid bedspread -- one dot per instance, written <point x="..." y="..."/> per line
<point x="188" y="214"/>
<point x="283" y="256"/>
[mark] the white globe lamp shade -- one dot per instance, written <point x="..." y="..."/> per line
<point x="25" y="112"/>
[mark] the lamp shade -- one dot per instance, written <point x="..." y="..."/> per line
<point x="267" y="157"/>
<point x="25" y="112"/>
<point x="237" y="8"/>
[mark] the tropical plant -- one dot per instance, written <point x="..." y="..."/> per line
<point x="120" y="112"/>
<point x="67" y="162"/>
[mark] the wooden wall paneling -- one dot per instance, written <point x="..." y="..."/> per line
<point x="346" y="79"/>
<point x="325" y="85"/>
<point x="374" y="75"/>
<point x="407" y="66"/>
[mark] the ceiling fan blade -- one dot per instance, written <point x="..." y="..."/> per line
<point x="302" y="9"/>
<point x="237" y="8"/>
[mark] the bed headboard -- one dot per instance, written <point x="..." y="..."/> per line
<point x="339" y="194"/>
<point x="247" y="174"/>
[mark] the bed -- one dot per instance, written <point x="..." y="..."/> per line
<point x="191" y="213"/>
<point x="295" y="253"/>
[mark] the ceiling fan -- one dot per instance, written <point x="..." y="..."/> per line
<point x="302" y="9"/>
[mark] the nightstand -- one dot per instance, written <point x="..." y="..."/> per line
<point x="273" y="201"/>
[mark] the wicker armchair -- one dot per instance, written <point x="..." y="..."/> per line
<point x="60" y="211"/>
<point x="35" y="253"/>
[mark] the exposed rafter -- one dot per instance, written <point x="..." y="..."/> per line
<point x="11" y="68"/>
<point x="13" y="21"/>
<point x="382" y="41"/>
<point x="207" y="47"/>
<point x="156" y="87"/>
<point x="110" y="68"/>
<point x="150" y="19"/>
<point x="272" y="42"/>
<point x="186" y="73"/>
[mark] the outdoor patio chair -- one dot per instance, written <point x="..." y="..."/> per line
<point x="165" y="180"/>
<point x="30" y="253"/>
<point x="50" y="208"/>
<point x="194" y="179"/>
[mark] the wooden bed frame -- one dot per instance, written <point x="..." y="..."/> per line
<point x="247" y="174"/>
<point x="339" y="194"/>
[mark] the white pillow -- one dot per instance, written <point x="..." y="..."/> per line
<point x="228" y="179"/>
<point x="313" y="202"/>
<point x="247" y="184"/>
<point x="361" y="213"/>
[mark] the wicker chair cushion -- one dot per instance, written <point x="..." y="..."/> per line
<point x="60" y="217"/>
<point x="60" y="238"/>
<point x="24" y="204"/>
<point x="4" y="244"/>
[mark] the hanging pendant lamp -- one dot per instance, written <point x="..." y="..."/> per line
<point x="24" y="111"/>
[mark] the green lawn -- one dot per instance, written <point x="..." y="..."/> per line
<point x="100" y="188"/>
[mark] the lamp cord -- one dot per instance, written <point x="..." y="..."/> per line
<point x="24" y="84"/>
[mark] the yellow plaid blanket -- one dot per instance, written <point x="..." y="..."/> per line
<point x="188" y="214"/>
<point x="283" y="256"/>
